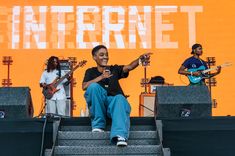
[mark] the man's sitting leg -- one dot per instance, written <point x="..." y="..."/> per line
<point x="95" y="97"/>
<point x="119" y="110"/>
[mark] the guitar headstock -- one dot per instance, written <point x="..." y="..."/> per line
<point x="82" y="63"/>
<point x="226" y="64"/>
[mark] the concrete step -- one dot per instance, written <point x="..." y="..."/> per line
<point x="86" y="121"/>
<point x="107" y="150"/>
<point x="83" y="135"/>
<point x="113" y="155"/>
<point x="47" y="153"/>
<point x="76" y="139"/>
<point x="72" y="142"/>
<point x="88" y="128"/>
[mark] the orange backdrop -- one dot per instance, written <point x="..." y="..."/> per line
<point x="31" y="31"/>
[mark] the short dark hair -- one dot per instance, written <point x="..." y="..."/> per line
<point x="195" y="46"/>
<point x="97" y="48"/>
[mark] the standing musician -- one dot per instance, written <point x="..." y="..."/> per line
<point x="191" y="66"/>
<point x="57" y="103"/>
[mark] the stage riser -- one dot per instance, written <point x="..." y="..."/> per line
<point x="23" y="137"/>
<point x="200" y="137"/>
<point x="212" y="136"/>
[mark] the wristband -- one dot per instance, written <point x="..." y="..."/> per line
<point x="191" y="73"/>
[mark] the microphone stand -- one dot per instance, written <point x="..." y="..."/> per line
<point x="145" y="63"/>
<point x="145" y="79"/>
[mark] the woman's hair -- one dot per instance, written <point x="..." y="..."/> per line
<point x="97" y="48"/>
<point x="50" y="63"/>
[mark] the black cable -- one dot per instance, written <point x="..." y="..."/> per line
<point x="43" y="134"/>
<point x="42" y="109"/>
<point x="41" y="112"/>
<point x="146" y="108"/>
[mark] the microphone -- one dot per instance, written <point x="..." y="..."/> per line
<point x="106" y="80"/>
<point x="107" y="69"/>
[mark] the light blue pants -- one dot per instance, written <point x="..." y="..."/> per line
<point x="56" y="107"/>
<point x="115" y="107"/>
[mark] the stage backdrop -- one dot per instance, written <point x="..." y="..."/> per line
<point x="33" y="30"/>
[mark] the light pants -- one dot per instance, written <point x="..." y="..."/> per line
<point x="56" y="107"/>
<point x="115" y="107"/>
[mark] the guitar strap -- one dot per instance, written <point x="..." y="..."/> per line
<point x="201" y="61"/>
<point x="204" y="66"/>
<point x="59" y="72"/>
<point x="204" y="75"/>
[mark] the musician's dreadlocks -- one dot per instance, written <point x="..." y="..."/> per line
<point x="50" y="64"/>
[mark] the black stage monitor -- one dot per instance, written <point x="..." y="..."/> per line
<point x="15" y="102"/>
<point x="182" y="102"/>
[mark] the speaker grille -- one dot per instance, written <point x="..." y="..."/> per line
<point x="16" y="102"/>
<point x="183" y="101"/>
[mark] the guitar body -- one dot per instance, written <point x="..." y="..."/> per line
<point x="196" y="79"/>
<point x="49" y="91"/>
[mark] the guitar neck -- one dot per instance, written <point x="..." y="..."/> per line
<point x="208" y="70"/>
<point x="65" y="76"/>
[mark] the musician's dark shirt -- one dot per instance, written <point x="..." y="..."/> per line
<point x="193" y="62"/>
<point x="111" y="85"/>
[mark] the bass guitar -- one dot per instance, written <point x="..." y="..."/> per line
<point x="197" y="79"/>
<point x="51" y="89"/>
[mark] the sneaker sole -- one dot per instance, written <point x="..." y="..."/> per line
<point x="122" y="144"/>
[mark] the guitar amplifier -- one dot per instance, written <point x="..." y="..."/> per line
<point x="146" y="104"/>
<point x="152" y="87"/>
<point x="65" y="65"/>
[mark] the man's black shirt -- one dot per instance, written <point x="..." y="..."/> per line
<point x="110" y="84"/>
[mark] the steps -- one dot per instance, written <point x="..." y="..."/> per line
<point x="76" y="139"/>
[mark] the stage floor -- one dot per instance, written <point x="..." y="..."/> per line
<point x="185" y="137"/>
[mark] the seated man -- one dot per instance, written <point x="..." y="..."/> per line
<point x="105" y="97"/>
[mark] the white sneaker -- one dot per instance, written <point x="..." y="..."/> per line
<point x="97" y="130"/>
<point x="121" y="141"/>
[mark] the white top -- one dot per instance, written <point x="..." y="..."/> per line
<point x="49" y="77"/>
